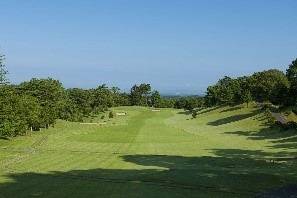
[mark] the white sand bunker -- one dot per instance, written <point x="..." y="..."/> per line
<point x="120" y="113"/>
<point x="93" y="123"/>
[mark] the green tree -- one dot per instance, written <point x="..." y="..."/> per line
<point x="246" y="97"/>
<point x="32" y="110"/>
<point x="266" y="84"/>
<point x="292" y="78"/>
<point x="167" y="103"/>
<point x="212" y="96"/>
<point x="227" y="88"/>
<point x="135" y="95"/>
<point x="12" y="116"/>
<point x="124" y="99"/>
<point x="155" y="99"/>
<point x="139" y="94"/>
<point x="3" y="72"/>
<point x="81" y="100"/>
<point x="49" y="94"/>
<point x="180" y="103"/>
<point x="279" y="95"/>
<point x="190" y="104"/>
<point x="103" y="97"/>
<point x="225" y="91"/>
<point x="115" y="91"/>
<point x="292" y="73"/>
<point x="145" y="91"/>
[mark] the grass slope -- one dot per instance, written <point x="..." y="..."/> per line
<point x="225" y="152"/>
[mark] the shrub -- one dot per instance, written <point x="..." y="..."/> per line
<point x="292" y="125"/>
<point x="110" y="114"/>
<point x="287" y="126"/>
<point x="269" y="116"/>
<point x="102" y="117"/>
<point x="287" y="112"/>
<point x="194" y="114"/>
<point x="278" y="123"/>
<point x="266" y="105"/>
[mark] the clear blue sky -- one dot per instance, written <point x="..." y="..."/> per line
<point x="175" y="45"/>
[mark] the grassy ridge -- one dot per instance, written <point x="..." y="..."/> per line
<point x="225" y="151"/>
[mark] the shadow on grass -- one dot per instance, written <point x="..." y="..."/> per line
<point x="231" y="109"/>
<point x="288" y="140"/>
<point x="256" y="155"/>
<point x="200" y="111"/>
<point x="210" y="109"/>
<point x="234" y="118"/>
<point x="4" y="138"/>
<point x="279" y="139"/>
<point x="232" y="173"/>
<point x="261" y="118"/>
<point x="185" y="112"/>
<point x="269" y="133"/>
<point x="287" y="146"/>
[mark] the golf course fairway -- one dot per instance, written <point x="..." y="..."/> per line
<point x="223" y="152"/>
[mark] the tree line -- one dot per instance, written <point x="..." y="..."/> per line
<point x="269" y="87"/>
<point x="272" y="85"/>
<point x="38" y="103"/>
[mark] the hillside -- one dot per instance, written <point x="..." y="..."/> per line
<point x="225" y="151"/>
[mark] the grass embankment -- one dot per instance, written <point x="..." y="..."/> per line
<point x="225" y="151"/>
<point x="289" y="115"/>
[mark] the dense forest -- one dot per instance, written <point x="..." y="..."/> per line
<point x="38" y="103"/>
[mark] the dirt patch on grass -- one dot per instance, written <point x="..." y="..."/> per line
<point x="93" y="123"/>
<point x="156" y="110"/>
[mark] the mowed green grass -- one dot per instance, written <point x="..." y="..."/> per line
<point x="224" y="152"/>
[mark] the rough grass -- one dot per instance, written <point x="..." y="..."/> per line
<point x="224" y="152"/>
<point x="289" y="114"/>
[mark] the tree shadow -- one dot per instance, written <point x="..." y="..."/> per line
<point x="275" y="135"/>
<point x="4" y="138"/>
<point x="261" y="118"/>
<point x="210" y="109"/>
<point x="279" y="139"/>
<point x="234" y="118"/>
<point x="287" y="140"/>
<point x="231" y="109"/>
<point x="202" y="110"/>
<point x="287" y="146"/>
<point x="258" y="156"/>
<point x="232" y="173"/>
<point x="287" y="143"/>
<point x="185" y="112"/>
